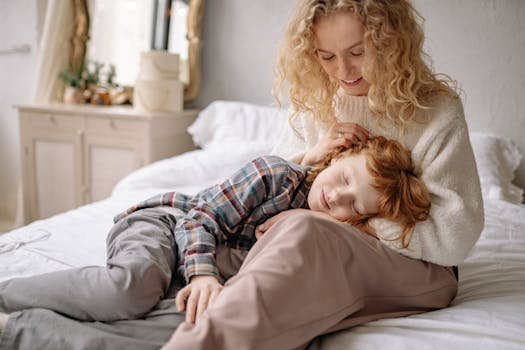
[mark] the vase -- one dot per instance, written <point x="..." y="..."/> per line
<point x="73" y="95"/>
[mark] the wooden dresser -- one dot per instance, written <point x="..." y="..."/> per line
<point x="75" y="154"/>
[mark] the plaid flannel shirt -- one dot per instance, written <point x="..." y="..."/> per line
<point x="228" y="213"/>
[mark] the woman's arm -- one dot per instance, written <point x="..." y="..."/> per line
<point x="291" y="145"/>
<point x="301" y="143"/>
<point x="450" y="174"/>
<point x="338" y="135"/>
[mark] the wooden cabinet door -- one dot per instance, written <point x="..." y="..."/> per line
<point x="51" y="165"/>
<point x="111" y="152"/>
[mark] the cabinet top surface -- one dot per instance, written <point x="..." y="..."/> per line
<point x="114" y="111"/>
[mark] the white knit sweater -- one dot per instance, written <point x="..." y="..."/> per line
<point x="440" y="145"/>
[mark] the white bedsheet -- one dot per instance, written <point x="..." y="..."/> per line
<point x="488" y="313"/>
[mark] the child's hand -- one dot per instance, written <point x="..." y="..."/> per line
<point x="197" y="296"/>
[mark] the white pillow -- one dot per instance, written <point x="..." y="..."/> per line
<point x="226" y="121"/>
<point x="497" y="160"/>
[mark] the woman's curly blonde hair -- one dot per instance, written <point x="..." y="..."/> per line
<point x="395" y="64"/>
<point x="404" y="198"/>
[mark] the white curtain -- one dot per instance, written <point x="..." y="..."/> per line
<point x="53" y="50"/>
<point x="52" y="58"/>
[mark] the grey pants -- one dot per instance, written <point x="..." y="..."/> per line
<point x="127" y="304"/>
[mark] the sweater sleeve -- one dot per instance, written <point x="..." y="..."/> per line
<point x="291" y="144"/>
<point x="456" y="215"/>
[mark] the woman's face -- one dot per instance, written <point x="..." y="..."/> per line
<point x="344" y="189"/>
<point x="340" y="49"/>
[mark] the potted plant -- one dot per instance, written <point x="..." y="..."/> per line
<point x="73" y="91"/>
<point x="91" y="83"/>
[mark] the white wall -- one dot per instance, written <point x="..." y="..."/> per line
<point x="19" y="21"/>
<point x="240" y="47"/>
<point x="481" y="43"/>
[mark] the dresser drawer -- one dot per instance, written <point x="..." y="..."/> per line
<point x="112" y="125"/>
<point x="51" y="121"/>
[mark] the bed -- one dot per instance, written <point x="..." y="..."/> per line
<point x="488" y="312"/>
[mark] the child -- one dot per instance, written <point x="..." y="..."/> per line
<point x="173" y="229"/>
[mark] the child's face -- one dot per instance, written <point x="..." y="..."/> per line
<point x="344" y="189"/>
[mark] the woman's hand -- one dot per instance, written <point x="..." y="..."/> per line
<point x="197" y="295"/>
<point x="339" y="134"/>
<point x="261" y="229"/>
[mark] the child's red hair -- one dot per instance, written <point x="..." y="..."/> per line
<point x="404" y="197"/>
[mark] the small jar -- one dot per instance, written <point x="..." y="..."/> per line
<point x="101" y="97"/>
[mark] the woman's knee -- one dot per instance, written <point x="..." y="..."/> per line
<point x="326" y="237"/>
<point x="304" y="225"/>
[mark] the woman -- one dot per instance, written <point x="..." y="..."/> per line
<point x="355" y="69"/>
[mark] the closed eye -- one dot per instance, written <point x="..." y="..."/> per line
<point x="327" y="58"/>
<point x="355" y="209"/>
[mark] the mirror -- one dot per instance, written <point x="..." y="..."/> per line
<point x="120" y="29"/>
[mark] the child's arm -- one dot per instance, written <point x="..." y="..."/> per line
<point x="220" y="214"/>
